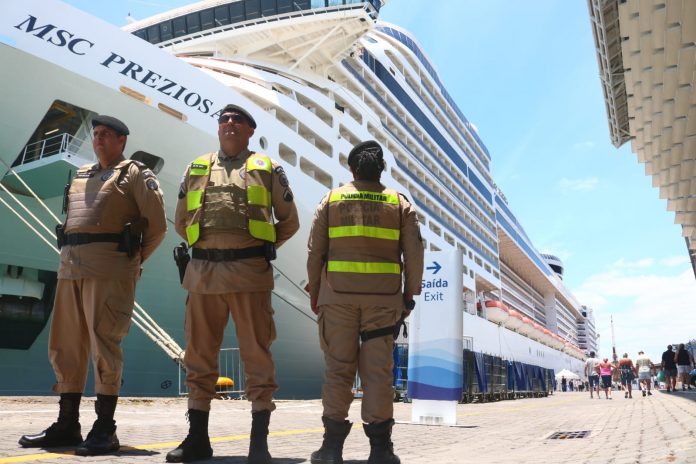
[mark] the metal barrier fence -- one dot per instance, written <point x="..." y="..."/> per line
<point x="230" y="383"/>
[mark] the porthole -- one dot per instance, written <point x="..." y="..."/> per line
<point x="263" y="142"/>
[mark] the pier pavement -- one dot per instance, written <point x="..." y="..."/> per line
<point x="656" y="429"/>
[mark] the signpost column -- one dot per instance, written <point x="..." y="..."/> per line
<point x="435" y="341"/>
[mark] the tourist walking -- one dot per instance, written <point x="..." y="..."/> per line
<point x="564" y="384"/>
<point x="669" y="367"/>
<point x="591" y="373"/>
<point x="605" y="369"/>
<point x="684" y="362"/>
<point x="627" y="374"/>
<point x="645" y="369"/>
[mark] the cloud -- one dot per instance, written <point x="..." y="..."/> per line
<point x="585" y="185"/>
<point x="582" y="146"/>
<point x="650" y="310"/>
<point x="675" y="261"/>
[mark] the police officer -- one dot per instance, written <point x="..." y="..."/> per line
<point x="226" y="206"/>
<point x="115" y="221"/>
<point x="359" y="235"/>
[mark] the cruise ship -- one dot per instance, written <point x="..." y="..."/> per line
<point x="318" y="76"/>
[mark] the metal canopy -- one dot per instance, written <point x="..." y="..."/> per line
<point x="646" y="51"/>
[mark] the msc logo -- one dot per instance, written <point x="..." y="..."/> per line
<point x="58" y="37"/>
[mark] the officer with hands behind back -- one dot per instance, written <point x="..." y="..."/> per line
<point x="359" y="235"/>
<point x="225" y="211"/>
<point x="115" y="221"/>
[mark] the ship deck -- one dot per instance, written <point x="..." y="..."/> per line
<point x="652" y="429"/>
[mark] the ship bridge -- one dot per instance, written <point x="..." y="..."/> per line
<point x="319" y="35"/>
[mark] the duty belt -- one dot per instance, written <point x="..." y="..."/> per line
<point x="83" y="239"/>
<point x="231" y="254"/>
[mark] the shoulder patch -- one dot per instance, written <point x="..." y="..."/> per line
<point x="282" y="178"/>
<point x="287" y="195"/>
<point x="107" y="175"/>
<point x="152" y="184"/>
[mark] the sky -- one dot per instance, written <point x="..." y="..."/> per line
<point x="526" y="74"/>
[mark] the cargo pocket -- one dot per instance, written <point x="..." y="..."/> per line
<point x="116" y="319"/>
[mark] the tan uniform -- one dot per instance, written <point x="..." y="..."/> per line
<point x="96" y="282"/>
<point x="343" y="315"/>
<point x="241" y="288"/>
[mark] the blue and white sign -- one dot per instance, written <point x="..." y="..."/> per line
<point x="435" y="341"/>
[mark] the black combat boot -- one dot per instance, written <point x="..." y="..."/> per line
<point x="258" y="441"/>
<point x="64" y="432"/>
<point x="381" y="446"/>
<point x="102" y="438"/>
<point x="331" y="451"/>
<point x="196" y="445"/>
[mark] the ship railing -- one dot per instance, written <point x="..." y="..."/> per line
<point x="55" y="145"/>
<point x="230" y="384"/>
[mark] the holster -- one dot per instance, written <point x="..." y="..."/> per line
<point x="129" y="243"/>
<point x="181" y="258"/>
<point x="270" y="251"/>
<point x="60" y="235"/>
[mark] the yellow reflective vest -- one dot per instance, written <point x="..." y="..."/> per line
<point x="258" y="185"/>
<point x="364" y="250"/>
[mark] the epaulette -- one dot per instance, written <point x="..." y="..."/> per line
<point x="404" y="196"/>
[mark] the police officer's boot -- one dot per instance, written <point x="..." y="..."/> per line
<point x="65" y="431"/>
<point x="196" y="445"/>
<point x="102" y="438"/>
<point x="331" y="451"/>
<point x="381" y="446"/>
<point x="258" y="441"/>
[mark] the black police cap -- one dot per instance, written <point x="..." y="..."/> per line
<point x="238" y="109"/>
<point x="368" y="146"/>
<point x="110" y="121"/>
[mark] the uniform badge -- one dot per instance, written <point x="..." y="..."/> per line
<point x="107" y="175"/>
<point x="287" y="195"/>
<point x="152" y="184"/>
<point x="282" y="178"/>
<point x="260" y="163"/>
<point x="242" y="172"/>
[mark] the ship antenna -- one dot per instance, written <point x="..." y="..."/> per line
<point x="613" y="340"/>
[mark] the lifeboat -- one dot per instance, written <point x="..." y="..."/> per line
<point x="558" y="342"/>
<point x="496" y="311"/>
<point x="526" y="328"/>
<point x="538" y="332"/>
<point x="548" y="337"/>
<point x="514" y="321"/>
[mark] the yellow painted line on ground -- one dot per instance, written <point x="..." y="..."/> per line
<point x="151" y="446"/>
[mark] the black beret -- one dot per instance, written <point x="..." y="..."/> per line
<point x="369" y="146"/>
<point x="110" y="121"/>
<point x="238" y="109"/>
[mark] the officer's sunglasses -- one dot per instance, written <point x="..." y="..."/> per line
<point x="236" y="118"/>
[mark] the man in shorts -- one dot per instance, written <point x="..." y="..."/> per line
<point x="591" y="373"/>
<point x="669" y="367"/>
<point x="645" y="367"/>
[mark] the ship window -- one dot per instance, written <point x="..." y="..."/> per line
<point x="166" y="30"/>
<point x="284" y="6"/>
<point x="434" y="247"/>
<point x="179" y="25"/>
<point x="315" y="172"/>
<point x="263" y="143"/>
<point x="268" y="7"/>
<point x="153" y="34"/>
<point x="343" y="159"/>
<point x="434" y="228"/>
<point x="253" y="9"/>
<point x="287" y="154"/>
<point x="155" y="163"/>
<point x="193" y="22"/>
<point x="207" y="19"/>
<point x="222" y="15"/>
<point x="237" y="12"/>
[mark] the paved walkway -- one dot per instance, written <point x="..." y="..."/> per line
<point x="657" y="429"/>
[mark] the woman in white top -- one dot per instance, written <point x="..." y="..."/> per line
<point x="645" y="367"/>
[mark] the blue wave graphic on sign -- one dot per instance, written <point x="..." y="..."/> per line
<point x="420" y="391"/>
